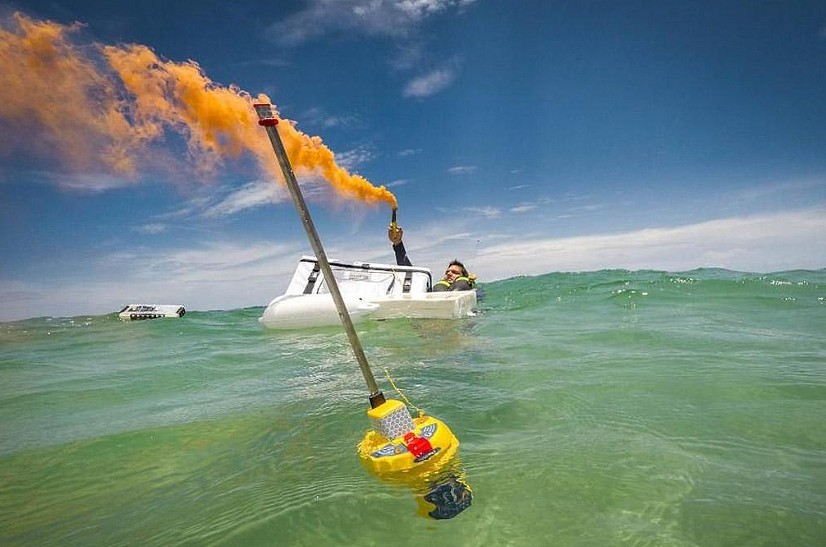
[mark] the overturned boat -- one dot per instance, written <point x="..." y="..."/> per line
<point x="137" y="312"/>
<point x="369" y="290"/>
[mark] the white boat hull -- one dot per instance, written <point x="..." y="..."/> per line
<point x="375" y="291"/>
<point x="436" y="305"/>
<point x="312" y="310"/>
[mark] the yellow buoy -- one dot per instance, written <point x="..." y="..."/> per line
<point x="418" y="452"/>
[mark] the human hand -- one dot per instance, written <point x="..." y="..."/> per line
<point x="395" y="234"/>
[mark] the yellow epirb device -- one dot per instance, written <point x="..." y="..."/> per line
<point x="418" y="452"/>
<point x="399" y="443"/>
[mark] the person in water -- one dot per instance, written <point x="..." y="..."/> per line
<point x="456" y="276"/>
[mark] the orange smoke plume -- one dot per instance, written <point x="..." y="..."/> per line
<point x="54" y="101"/>
<point x="107" y="108"/>
<point x="305" y="150"/>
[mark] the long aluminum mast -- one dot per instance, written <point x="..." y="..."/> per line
<point x="267" y="119"/>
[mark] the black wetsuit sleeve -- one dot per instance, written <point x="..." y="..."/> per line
<point x="401" y="255"/>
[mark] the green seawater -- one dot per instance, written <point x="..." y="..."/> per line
<point x="593" y="409"/>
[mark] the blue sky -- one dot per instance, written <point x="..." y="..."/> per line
<point x="521" y="137"/>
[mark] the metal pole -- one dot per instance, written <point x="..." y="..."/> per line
<point x="269" y="122"/>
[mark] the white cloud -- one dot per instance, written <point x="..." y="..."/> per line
<point x="89" y="182"/>
<point x="390" y="18"/>
<point x="780" y="190"/>
<point x="318" y="116"/>
<point x="223" y="261"/>
<point x="249" y="196"/>
<point x="154" y="228"/>
<point x="756" y="243"/>
<point x="421" y="8"/>
<point x="266" y="62"/>
<point x="430" y="83"/>
<point x="487" y="212"/>
<point x="462" y="169"/>
<point x="522" y="208"/>
<point x="350" y="159"/>
<point x="409" y="55"/>
<point x="399" y="20"/>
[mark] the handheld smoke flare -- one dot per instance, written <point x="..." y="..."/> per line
<point x="394" y="227"/>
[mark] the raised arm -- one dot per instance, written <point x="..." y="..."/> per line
<point x="395" y="235"/>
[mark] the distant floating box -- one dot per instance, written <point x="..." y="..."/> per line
<point x="137" y="312"/>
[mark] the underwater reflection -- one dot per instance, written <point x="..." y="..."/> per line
<point x="446" y="497"/>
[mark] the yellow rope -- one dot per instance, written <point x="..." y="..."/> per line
<point x="392" y="383"/>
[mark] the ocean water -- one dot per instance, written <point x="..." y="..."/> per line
<point x="593" y="409"/>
